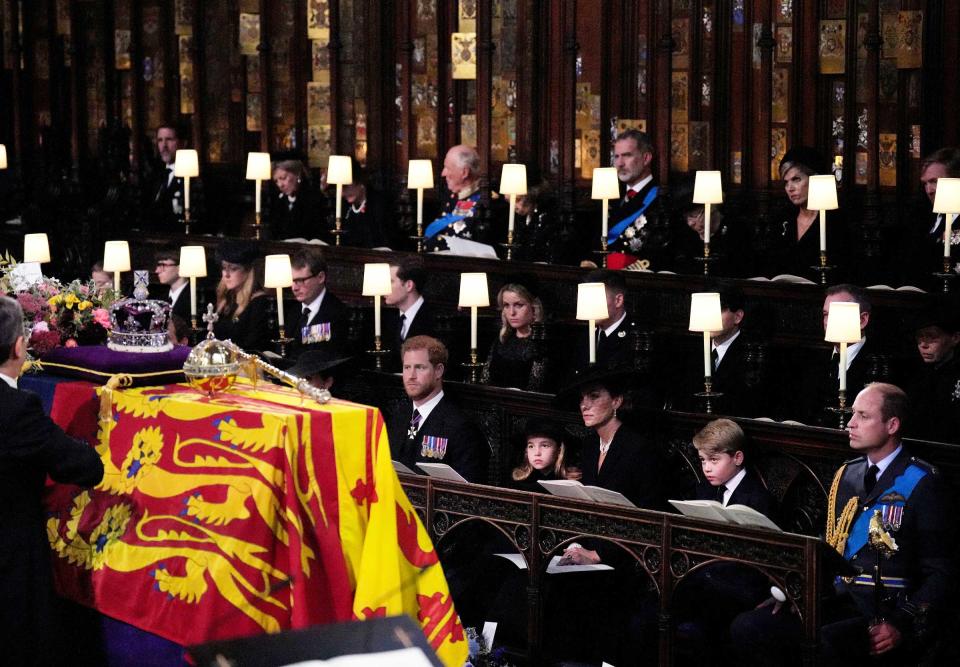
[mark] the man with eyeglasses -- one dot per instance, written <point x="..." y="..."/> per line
<point x="320" y="319"/>
<point x="167" y="269"/>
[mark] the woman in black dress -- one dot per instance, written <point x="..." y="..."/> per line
<point x="296" y="211"/>
<point x="242" y="306"/>
<point x="516" y="359"/>
<point x="794" y="235"/>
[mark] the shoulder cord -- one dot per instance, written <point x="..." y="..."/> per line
<point x="839" y="529"/>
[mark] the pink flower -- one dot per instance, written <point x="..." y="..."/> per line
<point x="41" y="327"/>
<point x="70" y="342"/>
<point x="84" y="290"/>
<point x="102" y="317"/>
<point x="44" y="341"/>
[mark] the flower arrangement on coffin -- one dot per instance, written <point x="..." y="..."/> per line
<point x="55" y="314"/>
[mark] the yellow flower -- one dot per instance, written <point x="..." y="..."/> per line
<point x="71" y="301"/>
<point x="55" y="300"/>
<point x="85" y="304"/>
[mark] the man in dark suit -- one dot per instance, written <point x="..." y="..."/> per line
<point x="320" y="319"/>
<point x="914" y="507"/>
<point x="32" y="448"/>
<point x="167" y="269"/>
<point x="430" y="429"/>
<point x="413" y="315"/>
<point x="865" y="363"/>
<point x="613" y="344"/>
<point x="920" y="251"/>
<point x="162" y="192"/>
<point x="639" y="227"/>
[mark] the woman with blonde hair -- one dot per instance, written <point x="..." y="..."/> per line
<point x="242" y="305"/>
<point x="517" y="359"/>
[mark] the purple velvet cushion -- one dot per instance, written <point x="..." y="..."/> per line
<point x="96" y="363"/>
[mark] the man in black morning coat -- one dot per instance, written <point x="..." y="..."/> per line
<point x="430" y="428"/>
<point x="32" y="447"/>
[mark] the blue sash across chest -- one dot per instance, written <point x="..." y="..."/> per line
<point x="901" y="488"/>
<point x="614" y="232"/>
<point x="455" y="215"/>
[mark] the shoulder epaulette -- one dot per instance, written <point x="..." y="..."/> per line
<point x="929" y="467"/>
<point x="858" y="459"/>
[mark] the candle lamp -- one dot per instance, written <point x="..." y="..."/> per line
<point x="822" y="196"/>
<point x="705" y="317"/>
<point x="419" y="176"/>
<point x="186" y="166"/>
<point x="116" y="258"/>
<point x="707" y="190"/>
<point x="36" y="248"/>
<point x="606" y="186"/>
<point x="513" y="182"/>
<point x="193" y="265"/>
<point x="3" y="156"/>
<point x="474" y="294"/>
<point x="947" y="201"/>
<point x="592" y="306"/>
<point x="277" y="274"/>
<point x="339" y="173"/>
<point x="376" y="283"/>
<point x="258" y="170"/>
<point x="843" y="328"/>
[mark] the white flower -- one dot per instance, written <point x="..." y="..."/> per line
<point x="640" y="222"/>
<point x="629" y="232"/>
<point x="41" y="327"/>
<point x="955" y="237"/>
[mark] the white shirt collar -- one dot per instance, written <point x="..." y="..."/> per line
<point x="613" y="327"/>
<point x="426" y="408"/>
<point x="641" y="185"/>
<point x="853" y="350"/>
<point x="9" y="380"/>
<point x="885" y="462"/>
<point x="722" y="348"/>
<point x="732" y="485"/>
<point x="936" y="223"/>
<point x="175" y="292"/>
<point x="410" y="313"/>
<point x="314" y="305"/>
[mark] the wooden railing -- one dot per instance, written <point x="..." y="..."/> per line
<point x="667" y="548"/>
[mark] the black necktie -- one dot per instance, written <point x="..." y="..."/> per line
<point x="720" y="491"/>
<point x="870" y="479"/>
<point x="304" y="319"/>
<point x="714" y="358"/>
<point x="403" y="319"/>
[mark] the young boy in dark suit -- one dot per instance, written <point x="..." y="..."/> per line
<point x="712" y="597"/>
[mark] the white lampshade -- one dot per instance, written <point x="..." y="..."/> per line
<point x="843" y="322"/>
<point x="947" y="199"/>
<point x="193" y="261"/>
<point x="513" y="179"/>
<point x="116" y="256"/>
<point x="376" y="279"/>
<point x="419" y="174"/>
<point x="705" y="312"/>
<point x="186" y="163"/>
<point x="36" y="248"/>
<point x="3" y="156"/>
<point x="606" y="185"/>
<point x="474" y="290"/>
<point x="258" y="166"/>
<point x="277" y="271"/>
<point x="822" y="193"/>
<point x="592" y="301"/>
<point x="339" y="170"/>
<point x="707" y="188"/>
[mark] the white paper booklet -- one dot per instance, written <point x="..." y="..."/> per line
<point x="441" y="471"/>
<point x="571" y="488"/>
<point x="711" y="510"/>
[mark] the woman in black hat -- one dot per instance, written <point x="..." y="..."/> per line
<point x="544" y="457"/>
<point x="516" y="358"/>
<point x="242" y="305"/>
<point x="794" y="237"/>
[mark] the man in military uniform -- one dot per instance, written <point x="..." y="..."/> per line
<point x="903" y="496"/>
<point x="461" y="171"/>
<point x="639" y="225"/>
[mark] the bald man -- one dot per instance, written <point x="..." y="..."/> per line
<point x="461" y="171"/>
